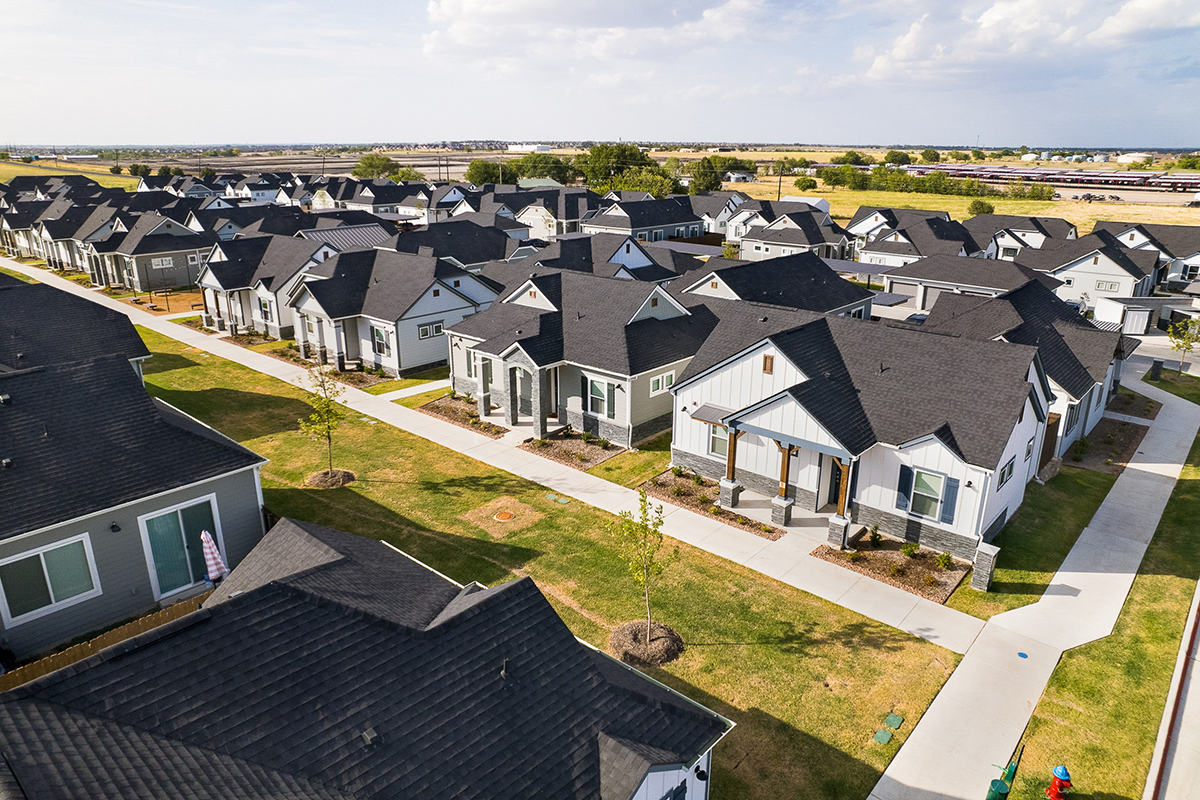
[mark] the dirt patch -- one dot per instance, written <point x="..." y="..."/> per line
<point x="485" y="516"/>
<point x="1134" y="405"/>
<point x="699" y="494"/>
<point x="628" y="643"/>
<point x="1108" y="447"/>
<point x="461" y="412"/>
<point x="330" y="479"/>
<point x="885" y="562"/>
<point x="360" y="379"/>
<point x="171" y="303"/>
<point x="573" y="450"/>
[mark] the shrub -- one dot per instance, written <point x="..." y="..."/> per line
<point x="910" y="549"/>
<point x="853" y="555"/>
<point x="538" y="443"/>
<point x="717" y="511"/>
<point x="473" y="420"/>
<point x="582" y="457"/>
<point x="766" y="528"/>
<point x="978" y="207"/>
<point x="930" y="580"/>
<point x="697" y="479"/>
<point x="587" y="437"/>
<point x="678" y="491"/>
<point x="453" y="394"/>
<point x="604" y="443"/>
<point x="875" y="536"/>
<point x="677" y="470"/>
<point x="567" y="430"/>
<point x="1081" y="448"/>
<point x="944" y="561"/>
<point x="896" y="570"/>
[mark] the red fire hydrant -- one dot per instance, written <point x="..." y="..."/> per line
<point x="1059" y="784"/>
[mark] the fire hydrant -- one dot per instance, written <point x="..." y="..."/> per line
<point x="1059" y="784"/>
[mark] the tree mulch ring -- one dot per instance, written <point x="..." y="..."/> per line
<point x="572" y="450"/>
<point x="1133" y="404"/>
<point x="919" y="575"/>
<point x="700" y="494"/>
<point x="327" y="479"/>
<point x="463" y="413"/>
<point x="1108" y="447"/>
<point x="628" y="643"/>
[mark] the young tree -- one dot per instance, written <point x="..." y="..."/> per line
<point x="897" y="157"/>
<point x="177" y="171"/>
<point x="930" y="156"/>
<point x="731" y="250"/>
<point x="322" y="395"/>
<point x="805" y="184"/>
<point x="1184" y="336"/>
<point x="639" y="541"/>
<point x="374" y="165"/>
<point x="978" y="207"/>
<point x="406" y="174"/>
<point x="978" y="155"/>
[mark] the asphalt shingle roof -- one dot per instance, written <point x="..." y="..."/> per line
<point x="801" y="281"/>
<point x="972" y="273"/>
<point x="44" y="325"/>
<point x="1051" y="256"/>
<point x="377" y="283"/>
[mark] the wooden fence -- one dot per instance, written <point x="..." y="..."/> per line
<point x="78" y="652"/>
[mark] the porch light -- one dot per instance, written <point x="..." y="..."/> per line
<point x="114" y="527"/>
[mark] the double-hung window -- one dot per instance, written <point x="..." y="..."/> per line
<point x="380" y="341"/>
<point x="597" y="397"/>
<point x="661" y="383"/>
<point x="718" y="441"/>
<point x="264" y="306"/>
<point x="310" y="323"/>
<point x="166" y="262"/>
<point x="47" y="579"/>
<point x="927" y="493"/>
<point x="1006" y="472"/>
<point x="1072" y="417"/>
<point x="430" y="330"/>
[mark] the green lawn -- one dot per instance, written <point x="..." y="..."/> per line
<point x="1036" y="540"/>
<point x="807" y="682"/>
<point x="1101" y="711"/>
<point x="416" y="379"/>
<point x="1184" y="386"/>
<point x="18" y="275"/>
<point x="413" y="401"/>
<point x="633" y="469"/>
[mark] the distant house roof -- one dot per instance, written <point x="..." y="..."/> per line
<point x="43" y="325"/>
<point x="1138" y="263"/>
<point x="84" y="436"/>
<point x="1176" y="241"/>
<point x="344" y="237"/>
<point x="927" y="236"/>
<point x="270" y="259"/>
<point x="972" y="273"/>
<point x="463" y="240"/>
<point x="346" y="670"/>
<point x="894" y="217"/>
<point x="645" y="214"/>
<point x="985" y="226"/>
<point x="801" y="281"/>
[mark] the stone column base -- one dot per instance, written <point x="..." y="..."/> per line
<point x="837" y="531"/>
<point x="303" y="347"/>
<point x="731" y="491"/>
<point x="985" y="564"/>
<point x="781" y="510"/>
<point x="483" y="402"/>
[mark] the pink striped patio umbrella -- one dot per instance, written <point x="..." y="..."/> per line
<point x="212" y="558"/>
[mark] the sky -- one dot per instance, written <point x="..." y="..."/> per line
<point x="1044" y="73"/>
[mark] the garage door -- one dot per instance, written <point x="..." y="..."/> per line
<point x="909" y="289"/>
<point x="931" y="296"/>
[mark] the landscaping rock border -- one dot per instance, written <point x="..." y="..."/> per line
<point x="701" y="498"/>
<point x="877" y="562"/>
<point x="461" y="412"/>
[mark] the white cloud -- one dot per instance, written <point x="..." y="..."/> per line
<point x="1138" y="17"/>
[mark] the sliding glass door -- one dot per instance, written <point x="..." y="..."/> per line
<point x="173" y="541"/>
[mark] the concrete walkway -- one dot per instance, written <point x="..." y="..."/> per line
<point x="980" y="715"/>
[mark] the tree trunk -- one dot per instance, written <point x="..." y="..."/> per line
<point x="647" y="613"/>
<point x="329" y="440"/>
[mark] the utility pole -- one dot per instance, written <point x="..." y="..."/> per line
<point x="779" y="191"/>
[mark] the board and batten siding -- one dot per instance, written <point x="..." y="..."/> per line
<point x="120" y="559"/>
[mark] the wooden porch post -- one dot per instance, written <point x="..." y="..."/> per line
<point x="785" y="456"/>
<point x="843" y="487"/>
<point x="731" y="454"/>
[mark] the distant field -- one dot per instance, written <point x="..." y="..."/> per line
<point x="11" y="169"/>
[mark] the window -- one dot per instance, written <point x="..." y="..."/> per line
<point x="597" y="396"/>
<point x="429" y="331"/>
<point x="1072" y="417"/>
<point x="45" y="580"/>
<point x="457" y="283"/>
<point x="1008" y="252"/>
<point x="718" y="441"/>
<point x="712" y="285"/>
<point x="1099" y="392"/>
<point x="658" y="236"/>
<point x="757" y="249"/>
<point x="661" y="383"/>
<point x="1131" y="237"/>
<point x="641" y="237"/>
<point x="310" y="323"/>
<point x="681" y="231"/>
<point x="695" y="230"/>
<point x="171" y="539"/>
<point x="1069" y="281"/>
<point x="1029" y="448"/>
<point x="627" y="248"/>
<point x="1107" y="286"/>
<point x="381" y="342"/>
<point x="437" y="292"/>
<point x="166" y="262"/>
<point x="264" y="306"/>
<point x="768" y="365"/>
<point x="470" y="364"/>
<point x="1095" y="259"/>
<point x="193" y="259"/>
<point x="1005" y="473"/>
<point x="858" y="313"/>
<point x="532" y="294"/>
<point x="927" y="493"/>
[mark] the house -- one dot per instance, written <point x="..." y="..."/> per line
<point x="925" y="279"/>
<point x="737" y="177"/>
<point x="256" y="188"/>
<point x="106" y="492"/>
<point x="1177" y="246"/>
<point x="1093" y="266"/>
<point x="546" y="213"/>
<point x="870" y="221"/>
<point x="461" y="242"/>
<point x="1002" y="236"/>
<point x="647" y="220"/>
<point x="923" y="237"/>
<point x="802" y="281"/>
<point x="328" y="667"/>
<point x="754" y="214"/>
<point x="715" y="209"/>
<point x="383" y="309"/>
<point x="808" y="231"/>
<point x="609" y="255"/>
<point x="150" y="253"/>
<point x="188" y="186"/>
<point x="247" y="282"/>
<point x="930" y="437"/>
<point x="1082" y="362"/>
<point x="18" y="220"/>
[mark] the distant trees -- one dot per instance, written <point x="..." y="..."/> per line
<point x="853" y="157"/>
<point x="1183" y="162"/>
<point x="603" y="162"/>
<point x="654" y="180"/>
<point x="930" y="156"/>
<point x="845" y="175"/>
<point x="958" y="155"/>
<point x="978" y="207"/>
<point x="374" y="165"/>
<point x="890" y="179"/>
<point x="207" y="174"/>
<point x="177" y="171"/>
<point x="480" y="172"/>
<point x="115" y="170"/>
<point x="542" y="165"/>
<point x="164" y="171"/>
<point x="5" y="156"/>
<point x="978" y="155"/>
<point x="705" y="177"/>
<point x="1020" y="190"/>
<point x="406" y="174"/>
<point x="139" y="170"/>
<point x="897" y="157"/>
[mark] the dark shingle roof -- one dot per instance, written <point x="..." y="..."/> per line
<point x="45" y="325"/>
<point x="895" y="218"/>
<point x="1177" y="241"/>
<point x="94" y="419"/>
<point x="464" y="240"/>
<point x="646" y="214"/>
<point x="801" y="281"/>
<point x="984" y="226"/>
<point x="1053" y="254"/>
<point x="972" y="273"/>
<point x="267" y="694"/>
<point x="378" y="283"/>
<point x="928" y="236"/>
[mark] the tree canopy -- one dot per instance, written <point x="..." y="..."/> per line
<point x="406" y="174"/>
<point x="853" y="157"/>
<point x="603" y="162"/>
<point x="542" y="165"/>
<point x="930" y="156"/>
<point x="480" y="172"/>
<point x="897" y="157"/>
<point x="374" y="165"/>
<point x="705" y="177"/>
<point x="654" y="180"/>
<point x="978" y="207"/>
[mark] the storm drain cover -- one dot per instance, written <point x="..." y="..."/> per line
<point x="503" y="516"/>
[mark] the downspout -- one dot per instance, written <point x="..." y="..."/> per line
<point x="983" y="494"/>
<point x="629" y="410"/>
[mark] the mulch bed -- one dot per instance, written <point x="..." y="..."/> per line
<point x="881" y="562"/>
<point x="572" y="450"/>
<point x="326" y="479"/>
<point x="195" y="323"/>
<point x="461" y="412"/>
<point x="628" y="643"/>
<point x="1108" y="447"/>
<point x="683" y="490"/>
<point x="359" y="379"/>
<point x="1134" y="405"/>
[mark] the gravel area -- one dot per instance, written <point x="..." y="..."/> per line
<point x="572" y="450"/>
<point x="700" y="494"/>
<point x="461" y="412"/>
<point x="920" y="575"/>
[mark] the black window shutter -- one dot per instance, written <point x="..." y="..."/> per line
<point x="949" y="500"/>
<point x="612" y="401"/>
<point x="585" y="398"/>
<point x="904" y="487"/>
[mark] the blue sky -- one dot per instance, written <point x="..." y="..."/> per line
<point x="1117" y="73"/>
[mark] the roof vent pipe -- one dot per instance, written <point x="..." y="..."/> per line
<point x="504" y="670"/>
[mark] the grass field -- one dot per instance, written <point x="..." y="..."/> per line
<point x="1184" y="386"/>
<point x="416" y="379"/>
<point x="10" y="169"/>
<point x="12" y="273"/>
<point x="1035" y="541"/>
<point x="1101" y="711"/>
<point x="806" y="681"/>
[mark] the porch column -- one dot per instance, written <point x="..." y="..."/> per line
<point x="512" y="399"/>
<point x="339" y="333"/>
<point x="731" y="490"/>
<point x="839" y="524"/>
<point x="781" y="504"/>
<point x="483" y="392"/>
<point x="541" y="396"/>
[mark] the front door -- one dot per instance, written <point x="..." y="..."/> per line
<point x="835" y="480"/>
<point x="1051" y="440"/>
<point x="173" y="539"/>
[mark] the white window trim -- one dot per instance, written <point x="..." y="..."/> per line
<point x="587" y="404"/>
<point x="218" y="535"/>
<point x="662" y="389"/>
<point x="421" y="334"/>
<point x="156" y="263"/>
<point x="711" y="434"/>
<point x="386" y="340"/>
<point x="12" y="622"/>
<point x="1010" y="467"/>
<point x="1029" y="448"/>
<point x="937" y="516"/>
